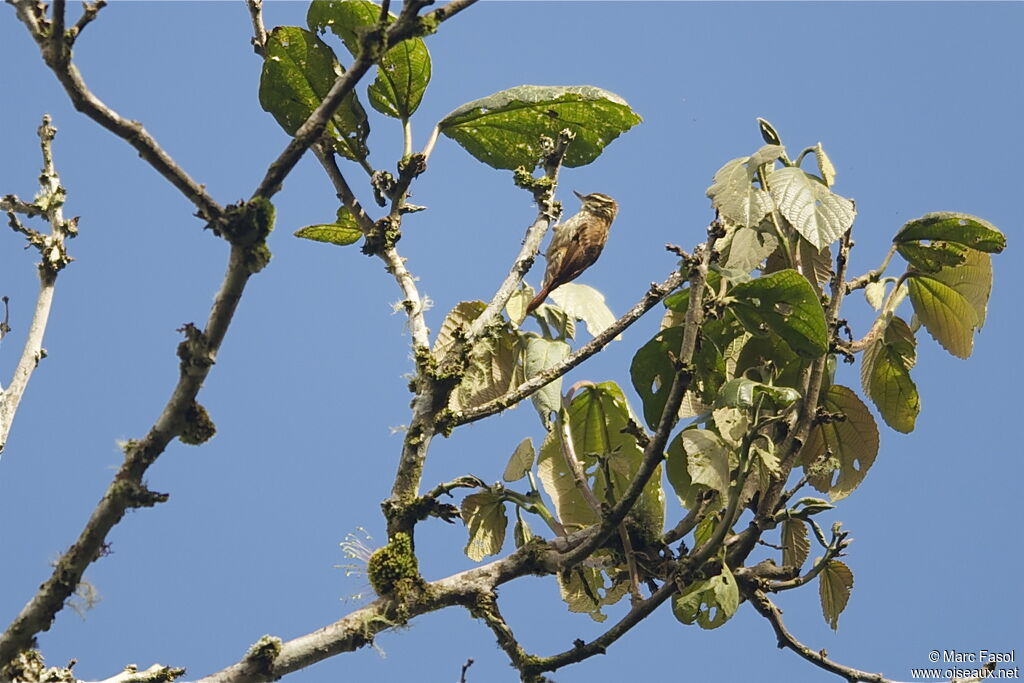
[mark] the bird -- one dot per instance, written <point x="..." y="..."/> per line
<point x="576" y="243"/>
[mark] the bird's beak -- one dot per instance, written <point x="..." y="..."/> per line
<point x="577" y="194"/>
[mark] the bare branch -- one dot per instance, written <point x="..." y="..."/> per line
<point x="767" y="609"/>
<point x="259" y="30"/>
<point x="56" y="53"/>
<point x="127" y="489"/>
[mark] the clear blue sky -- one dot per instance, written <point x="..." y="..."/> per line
<point x="918" y="105"/>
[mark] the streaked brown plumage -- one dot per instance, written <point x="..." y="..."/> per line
<point x="576" y="243"/>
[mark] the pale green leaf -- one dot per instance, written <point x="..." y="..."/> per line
<point x="816" y="212"/>
<point x="835" y="582"/>
<point x="952" y="302"/>
<point x="707" y="459"/>
<point x="710" y="602"/>
<point x="517" y="303"/>
<point x="795" y="544"/>
<point x="484" y="516"/>
<point x="587" y="589"/>
<point x="521" y="461"/>
<point x="874" y="292"/>
<point x="539" y="355"/>
<point x="885" y="376"/>
<point x="736" y="197"/>
<point x="491" y="366"/>
<point x="521" y="533"/>
<point x="584" y="303"/>
<point x="852" y="440"/>
<point x="732" y="425"/>
<point x="455" y="325"/>
<point x="748" y="249"/>
<point x="504" y="130"/>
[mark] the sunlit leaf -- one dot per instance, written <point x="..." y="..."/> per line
<point x="952" y="302"/>
<point x="874" y="292"/>
<point x="885" y="376"/>
<point x="402" y="72"/>
<point x="484" y="515"/>
<point x="710" y="602"/>
<point x="746" y="393"/>
<point x="342" y="232"/>
<point x="947" y="226"/>
<point x="834" y="587"/>
<point x="584" y="303"/>
<point x="455" y="325"/>
<point x="749" y="248"/>
<point x="503" y="130"/>
<point x="539" y="355"/>
<point x="588" y="589"/>
<point x="816" y="212"/>
<point x="852" y="439"/>
<point x="736" y="197"/>
<point x="795" y="544"/>
<point x="825" y="167"/>
<point x="707" y="459"/>
<point x="521" y="461"/>
<point x="298" y="72"/>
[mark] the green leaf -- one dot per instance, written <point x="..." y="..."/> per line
<point x="885" y="376"/>
<point x="835" y="582"/>
<point x="746" y="393"/>
<point x="795" y="545"/>
<point x="588" y="589"/>
<point x="521" y="533"/>
<point x="816" y="212"/>
<point x="653" y="371"/>
<point x="930" y="258"/>
<point x="521" y="461"/>
<point x="484" y="515"/>
<point x="609" y="457"/>
<point x="947" y="226"/>
<point x="735" y="196"/>
<point x="342" y="232"/>
<point x="517" y="303"/>
<point x="785" y="304"/>
<point x="952" y="302"/>
<point x="503" y="130"/>
<point x="707" y="459"/>
<point x="851" y="439"/>
<point x="748" y="249"/>
<point x="710" y="602"/>
<point x="773" y="358"/>
<point x="403" y="71"/>
<point x="539" y="355"/>
<point x="584" y="303"/>
<point x="679" y="475"/>
<point x="874" y="292"/>
<point x="298" y="71"/>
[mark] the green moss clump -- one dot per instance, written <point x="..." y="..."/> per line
<point x="199" y="428"/>
<point x="394" y="566"/>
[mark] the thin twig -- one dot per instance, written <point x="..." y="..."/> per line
<point x="773" y="614"/>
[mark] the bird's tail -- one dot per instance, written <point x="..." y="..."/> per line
<point x="539" y="299"/>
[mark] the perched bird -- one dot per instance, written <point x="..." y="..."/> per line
<point x="576" y="243"/>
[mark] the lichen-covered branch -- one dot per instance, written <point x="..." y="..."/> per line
<point x="53" y="258"/>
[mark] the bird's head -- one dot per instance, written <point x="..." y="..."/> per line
<point x="598" y="204"/>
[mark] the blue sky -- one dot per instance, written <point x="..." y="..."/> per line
<point x="918" y="105"/>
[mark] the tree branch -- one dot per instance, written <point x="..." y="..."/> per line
<point x="127" y="490"/>
<point x="655" y="294"/>
<point x="56" y="53"/>
<point x="53" y="258"/>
